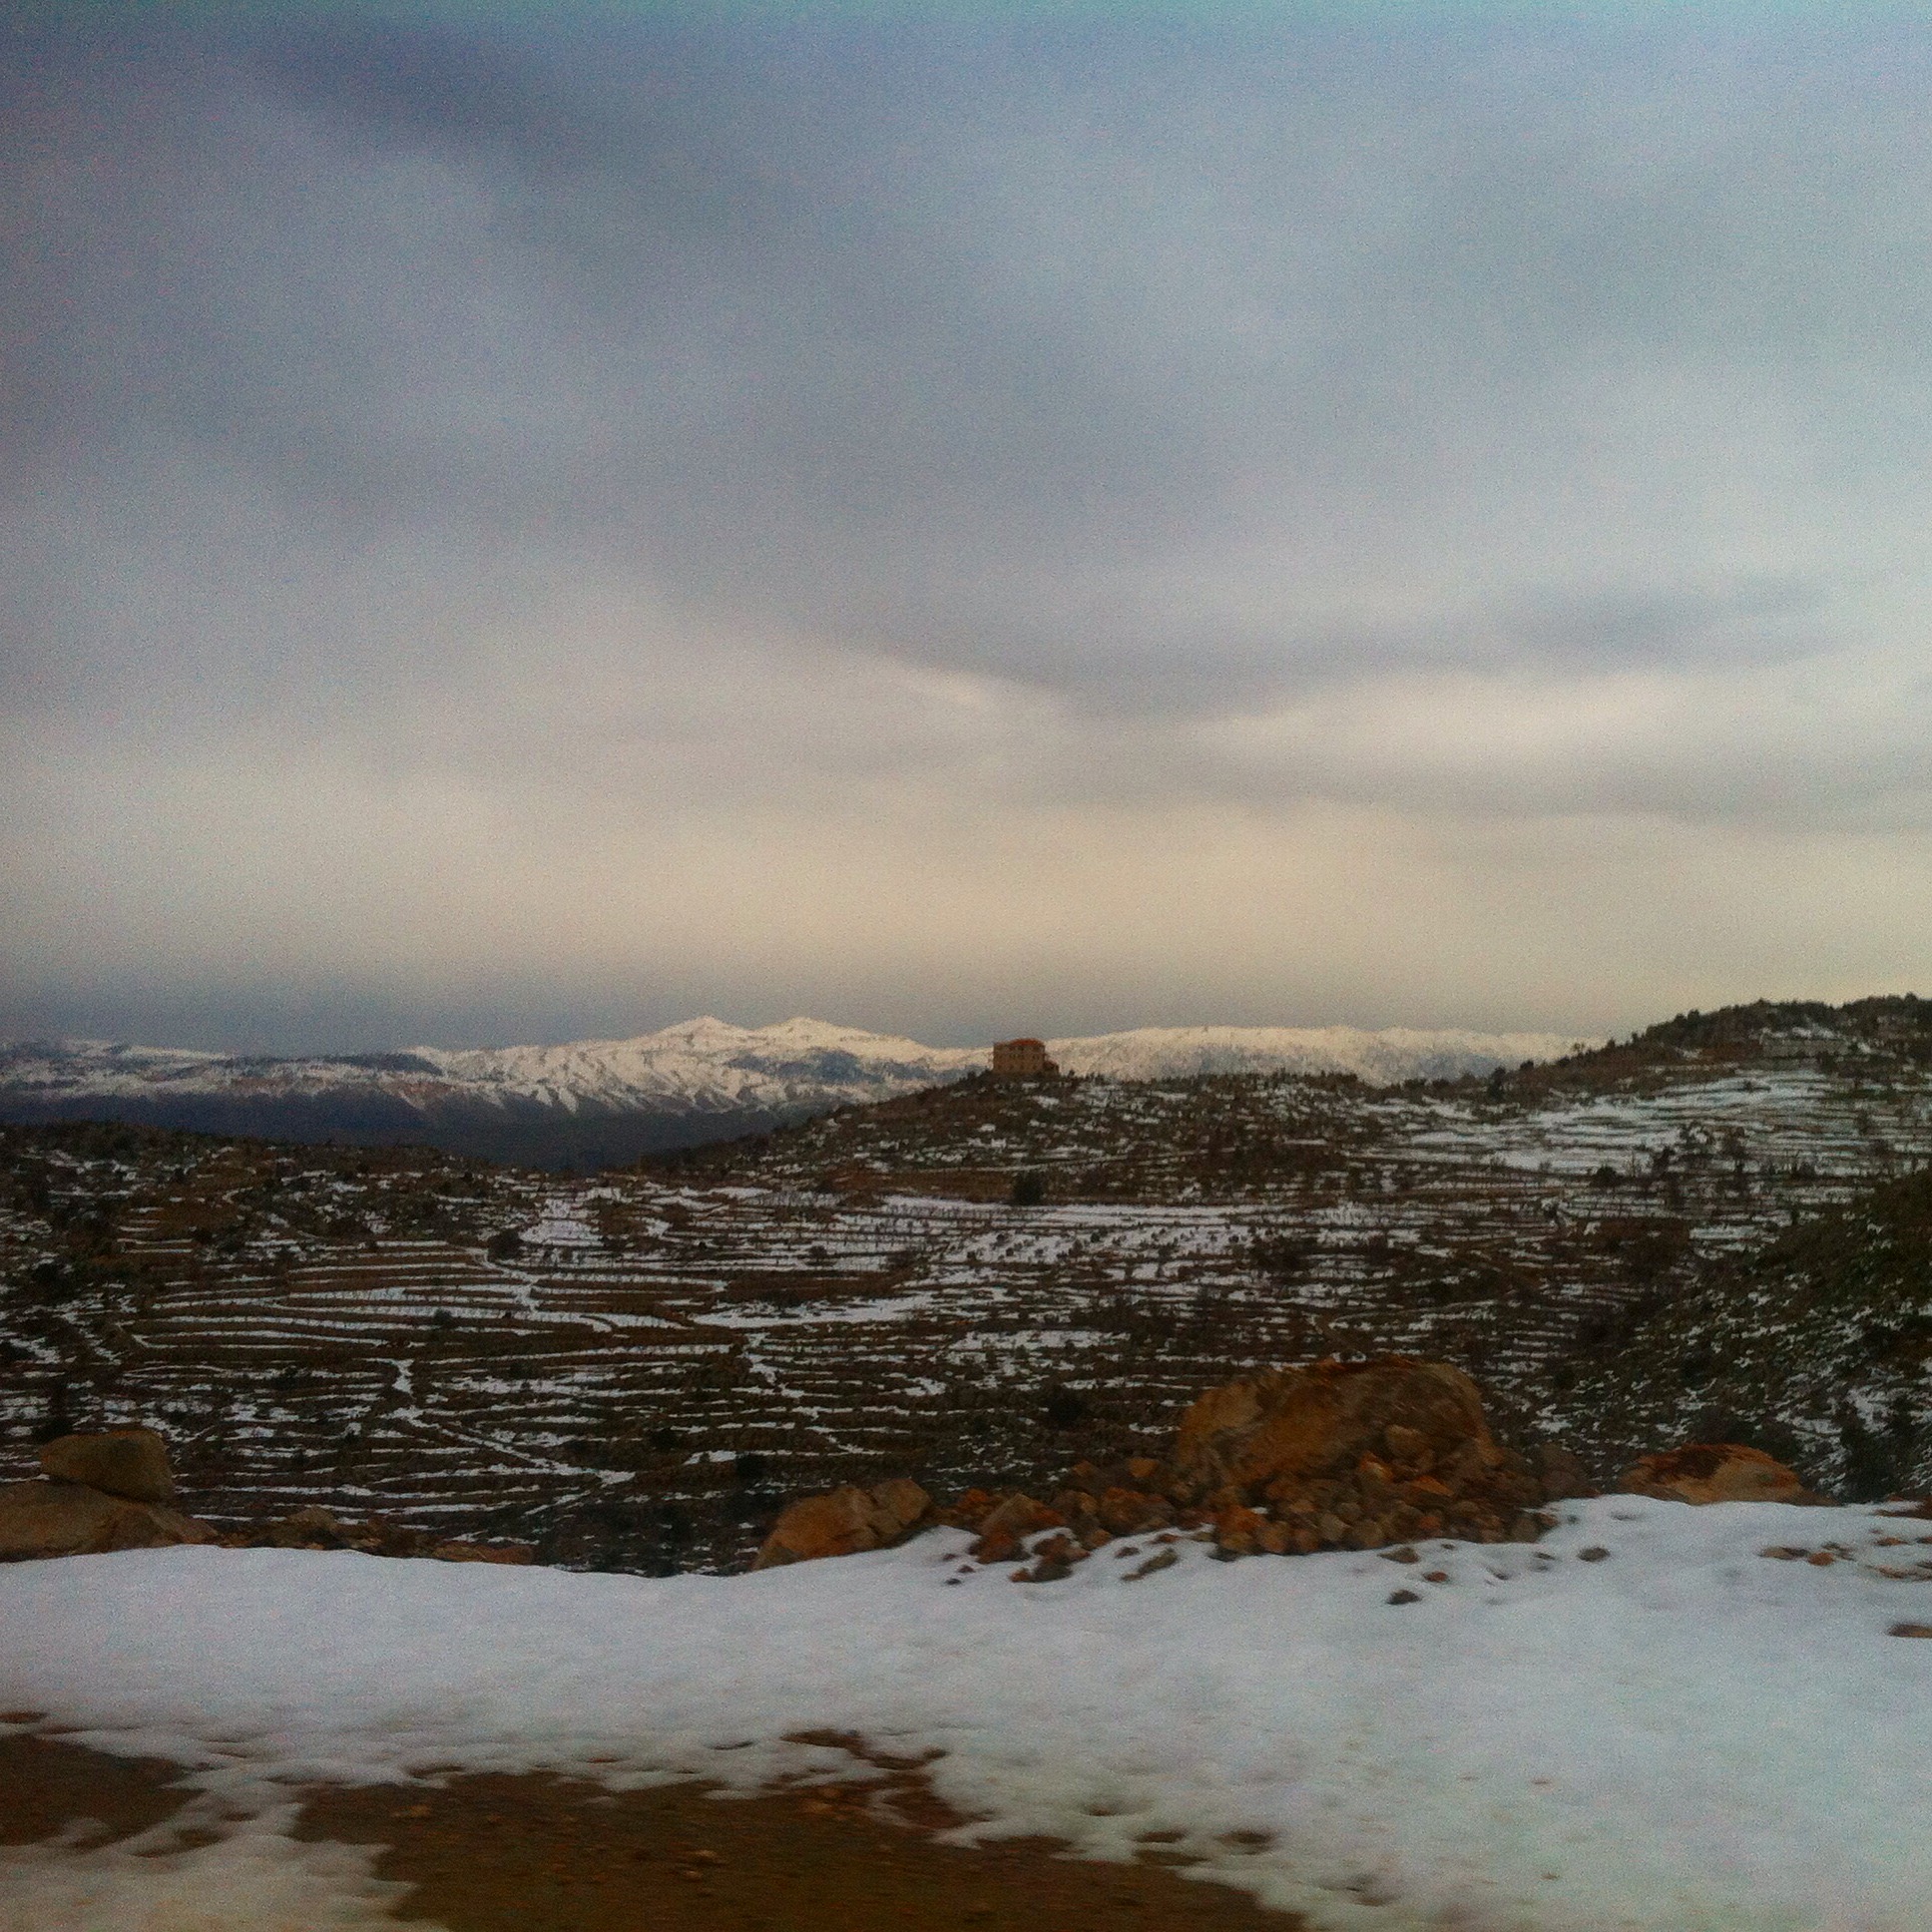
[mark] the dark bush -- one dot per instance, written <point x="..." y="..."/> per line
<point x="1064" y="1408"/>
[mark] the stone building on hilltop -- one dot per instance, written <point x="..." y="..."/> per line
<point x="1020" y="1057"/>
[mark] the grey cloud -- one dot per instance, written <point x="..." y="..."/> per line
<point x="966" y="377"/>
<point x="686" y="411"/>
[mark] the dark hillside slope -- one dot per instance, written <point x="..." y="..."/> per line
<point x="1817" y="1348"/>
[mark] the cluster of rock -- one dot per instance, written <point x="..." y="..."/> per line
<point x="316" y="1528"/>
<point x="1341" y="1455"/>
<point x="110" y="1491"/>
<point x="96" y="1492"/>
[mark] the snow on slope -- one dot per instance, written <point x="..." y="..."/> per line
<point x="1640" y="1722"/>
<point x="1383" y="1057"/>
<point x="711" y="1066"/>
<point x="701" y="1066"/>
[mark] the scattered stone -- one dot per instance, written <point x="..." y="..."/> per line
<point x="1238" y="1530"/>
<point x="1052" y="1559"/>
<point x="1595" y="1554"/>
<point x="309" y="1528"/>
<point x="62" y="1519"/>
<point x="461" y="1552"/>
<point x="845" y="1522"/>
<point x="121" y="1462"/>
<point x="1133" y="1512"/>
<point x="1715" y="1472"/>
<point x="1912" y="1630"/>
<point x="1008" y="1524"/>
<point x="1405" y="1596"/>
<point x="1160" y="1560"/>
<point x="1402" y="1553"/>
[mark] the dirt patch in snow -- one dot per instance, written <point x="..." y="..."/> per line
<point x="536" y="1853"/>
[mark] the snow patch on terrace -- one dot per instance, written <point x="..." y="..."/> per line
<point x="1679" y="1735"/>
<point x="1381" y="1057"/>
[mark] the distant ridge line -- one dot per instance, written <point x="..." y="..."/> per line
<point x="605" y="1100"/>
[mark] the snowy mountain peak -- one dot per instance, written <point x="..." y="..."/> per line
<point x="698" y="1080"/>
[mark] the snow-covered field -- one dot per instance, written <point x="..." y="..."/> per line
<point x="1641" y="1722"/>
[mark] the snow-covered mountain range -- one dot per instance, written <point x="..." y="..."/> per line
<point x="599" y="1100"/>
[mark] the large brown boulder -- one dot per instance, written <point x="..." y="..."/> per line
<point x="1715" y="1472"/>
<point x="55" y="1519"/>
<point x="123" y="1462"/>
<point x="1352" y="1455"/>
<point x="845" y="1522"/>
<point x="1299" y="1424"/>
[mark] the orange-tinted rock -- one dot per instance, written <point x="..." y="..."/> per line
<point x="898" y="1504"/>
<point x="1128" y="1512"/>
<point x="1240" y="1531"/>
<point x="1715" y="1472"/>
<point x="122" y="1462"/>
<point x="1020" y="1516"/>
<point x="845" y="1522"/>
<point x="970" y="1511"/>
<point x="55" y="1519"/>
<point x="1299" y="1423"/>
<point x="458" y="1552"/>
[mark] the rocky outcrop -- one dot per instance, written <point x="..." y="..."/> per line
<point x="1339" y="1455"/>
<point x="1299" y="1424"/>
<point x="103" y="1491"/>
<point x="107" y="1491"/>
<point x="120" y="1462"/>
<point x="316" y="1528"/>
<point x="1353" y="1455"/>
<point x="60" y="1519"/>
<point x="845" y="1522"/>
<point x="1715" y="1472"/>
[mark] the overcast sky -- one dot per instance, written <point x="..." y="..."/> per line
<point x="959" y="520"/>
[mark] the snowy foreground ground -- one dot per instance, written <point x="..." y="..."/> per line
<point x="1681" y="1734"/>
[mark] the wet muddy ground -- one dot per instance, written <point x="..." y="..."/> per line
<point x="538" y="1853"/>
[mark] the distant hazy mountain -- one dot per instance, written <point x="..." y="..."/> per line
<point x="595" y="1102"/>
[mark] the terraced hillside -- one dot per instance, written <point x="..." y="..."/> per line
<point x="638" y="1370"/>
<point x="1816" y="1347"/>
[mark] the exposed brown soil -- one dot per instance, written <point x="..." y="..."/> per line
<point x="535" y="1853"/>
<point x="46" y="1787"/>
